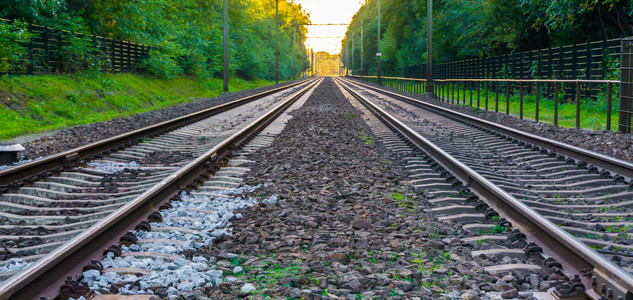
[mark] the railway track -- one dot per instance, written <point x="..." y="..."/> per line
<point x="60" y="212"/>
<point x="557" y="215"/>
<point x="567" y="200"/>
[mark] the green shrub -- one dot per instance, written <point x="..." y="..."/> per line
<point x="162" y="64"/>
<point x="12" y="53"/>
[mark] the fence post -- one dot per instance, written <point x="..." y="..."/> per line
<point x="497" y="96"/>
<point x="609" y="97"/>
<point x="556" y="102"/>
<point x="507" y="97"/>
<point x="578" y="105"/>
<point x="538" y="95"/>
<point x="626" y="88"/>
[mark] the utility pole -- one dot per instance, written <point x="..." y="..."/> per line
<point x="429" y="48"/>
<point x="353" y="44"/>
<point x="378" y="55"/>
<point x="294" y="59"/>
<point x="312" y="69"/>
<point x="225" y="29"/>
<point x="316" y="64"/>
<point x="276" y="41"/>
<point x="347" y="59"/>
<point x="362" y="43"/>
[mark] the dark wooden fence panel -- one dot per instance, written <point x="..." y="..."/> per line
<point x="45" y="51"/>
<point x="579" y="61"/>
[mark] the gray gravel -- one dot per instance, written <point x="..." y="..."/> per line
<point x="343" y="226"/>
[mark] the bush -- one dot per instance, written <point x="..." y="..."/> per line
<point x="162" y="64"/>
<point x="12" y="53"/>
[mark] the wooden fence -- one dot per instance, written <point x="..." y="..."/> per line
<point x="589" y="61"/>
<point x="47" y="47"/>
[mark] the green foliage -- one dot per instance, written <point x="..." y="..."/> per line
<point x="161" y="64"/>
<point x="465" y="29"/>
<point x="185" y="36"/>
<point x="12" y="52"/>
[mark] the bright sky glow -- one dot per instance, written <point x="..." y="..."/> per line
<point x="328" y="38"/>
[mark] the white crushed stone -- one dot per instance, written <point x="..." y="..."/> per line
<point x="246" y="288"/>
<point x="15" y="164"/>
<point x="271" y="200"/>
<point x="113" y="167"/>
<point x="13" y="264"/>
<point x="180" y="275"/>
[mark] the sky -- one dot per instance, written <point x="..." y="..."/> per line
<point x="328" y="38"/>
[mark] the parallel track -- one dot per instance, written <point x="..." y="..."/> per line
<point x="144" y="191"/>
<point x="503" y="166"/>
<point x="29" y="172"/>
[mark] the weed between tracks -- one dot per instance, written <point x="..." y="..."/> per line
<point x="367" y="139"/>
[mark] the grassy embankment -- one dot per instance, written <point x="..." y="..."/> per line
<point x="593" y="113"/>
<point x="32" y="104"/>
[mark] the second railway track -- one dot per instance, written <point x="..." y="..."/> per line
<point x="591" y="203"/>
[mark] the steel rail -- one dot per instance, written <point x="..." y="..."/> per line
<point x="51" y="162"/>
<point x="610" y="163"/>
<point x="573" y="254"/>
<point x="50" y="271"/>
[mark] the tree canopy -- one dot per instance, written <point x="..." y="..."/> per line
<point x="464" y="29"/>
<point x="186" y="34"/>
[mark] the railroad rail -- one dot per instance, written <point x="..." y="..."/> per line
<point x="454" y="91"/>
<point x="448" y="145"/>
<point x="45" y="276"/>
<point x="612" y="164"/>
<point x="29" y="172"/>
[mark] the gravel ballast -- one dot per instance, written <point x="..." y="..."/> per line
<point x="327" y="211"/>
<point x="618" y="145"/>
<point x="339" y="222"/>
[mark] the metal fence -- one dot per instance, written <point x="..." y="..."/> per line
<point x="46" y="51"/>
<point x="589" y="61"/>
<point x="527" y="98"/>
<point x="626" y="90"/>
<point x="541" y="99"/>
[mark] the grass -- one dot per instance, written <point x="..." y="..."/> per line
<point x="367" y="139"/>
<point x="32" y="104"/>
<point x="593" y="113"/>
